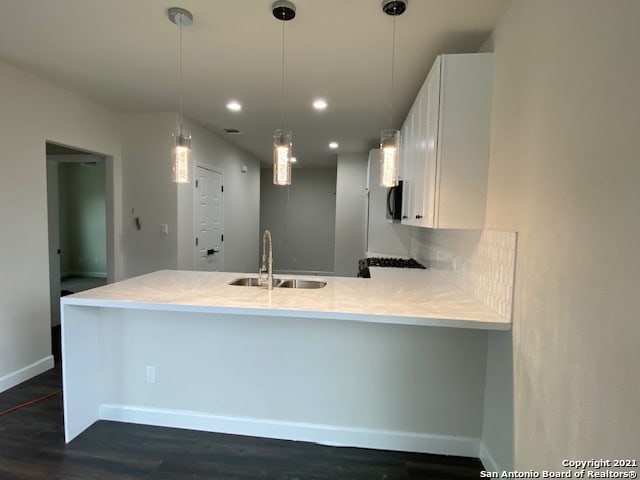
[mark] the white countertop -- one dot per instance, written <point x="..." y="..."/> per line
<point x="392" y="295"/>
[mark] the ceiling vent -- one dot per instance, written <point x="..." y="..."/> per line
<point x="232" y="131"/>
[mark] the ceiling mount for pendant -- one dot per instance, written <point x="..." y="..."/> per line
<point x="283" y="10"/>
<point x="394" y="7"/>
<point x="180" y="16"/>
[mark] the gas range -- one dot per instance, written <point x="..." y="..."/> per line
<point x="385" y="262"/>
<point x="393" y="262"/>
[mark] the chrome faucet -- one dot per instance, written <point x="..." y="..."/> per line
<point x="267" y="262"/>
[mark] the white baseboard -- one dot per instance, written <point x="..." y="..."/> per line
<point x="307" y="432"/>
<point x="487" y="460"/>
<point x="30" y="371"/>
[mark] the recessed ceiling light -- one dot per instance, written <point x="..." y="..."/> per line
<point x="320" y="104"/>
<point x="333" y="145"/>
<point x="234" y="105"/>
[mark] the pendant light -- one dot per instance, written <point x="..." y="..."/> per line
<point x="284" y="11"/>
<point x="390" y="139"/>
<point x="181" y="140"/>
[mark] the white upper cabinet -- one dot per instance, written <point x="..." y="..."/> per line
<point x="445" y="145"/>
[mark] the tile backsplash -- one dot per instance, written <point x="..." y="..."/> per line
<point x="480" y="262"/>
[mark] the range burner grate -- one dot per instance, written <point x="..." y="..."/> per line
<point x="394" y="262"/>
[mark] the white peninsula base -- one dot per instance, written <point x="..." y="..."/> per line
<point x="315" y="377"/>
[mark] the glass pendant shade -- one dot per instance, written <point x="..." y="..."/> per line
<point x="181" y="152"/>
<point x="282" y="157"/>
<point x="389" y="151"/>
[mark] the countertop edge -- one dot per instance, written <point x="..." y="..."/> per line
<point x="498" y="324"/>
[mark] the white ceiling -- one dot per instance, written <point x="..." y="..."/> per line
<point x="123" y="54"/>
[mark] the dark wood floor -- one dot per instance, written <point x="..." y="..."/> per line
<point x="32" y="447"/>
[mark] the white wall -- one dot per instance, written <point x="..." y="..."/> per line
<point x="241" y="198"/>
<point x="33" y="112"/>
<point x="351" y="213"/>
<point x="497" y="427"/>
<point x="383" y="237"/>
<point x="564" y="173"/>
<point x="301" y="218"/>
<point x="313" y="379"/>
<point x="150" y="195"/>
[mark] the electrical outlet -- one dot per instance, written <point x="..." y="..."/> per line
<point x="151" y="374"/>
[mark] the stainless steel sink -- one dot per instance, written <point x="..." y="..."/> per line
<point x="251" y="282"/>
<point x="278" y="283"/>
<point x="295" y="283"/>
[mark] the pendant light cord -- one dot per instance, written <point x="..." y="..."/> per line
<point x="393" y="58"/>
<point x="180" y="74"/>
<point x="283" y="21"/>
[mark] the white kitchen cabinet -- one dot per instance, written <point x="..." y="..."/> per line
<point x="408" y="157"/>
<point x="445" y="144"/>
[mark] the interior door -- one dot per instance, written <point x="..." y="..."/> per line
<point x="208" y="221"/>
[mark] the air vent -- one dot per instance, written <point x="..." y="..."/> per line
<point x="232" y="131"/>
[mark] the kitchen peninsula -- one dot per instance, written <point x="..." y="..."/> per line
<point x="395" y="362"/>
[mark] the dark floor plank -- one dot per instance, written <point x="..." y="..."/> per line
<point x="32" y="448"/>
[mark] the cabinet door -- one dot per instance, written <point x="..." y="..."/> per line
<point x="431" y="122"/>
<point x="417" y="126"/>
<point x="422" y="133"/>
<point x="407" y="160"/>
<point x="463" y="140"/>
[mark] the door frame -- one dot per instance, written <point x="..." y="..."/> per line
<point x="53" y="217"/>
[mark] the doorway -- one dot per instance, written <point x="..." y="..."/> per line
<point x="77" y="201"/>
<point x="208" y="224"/>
